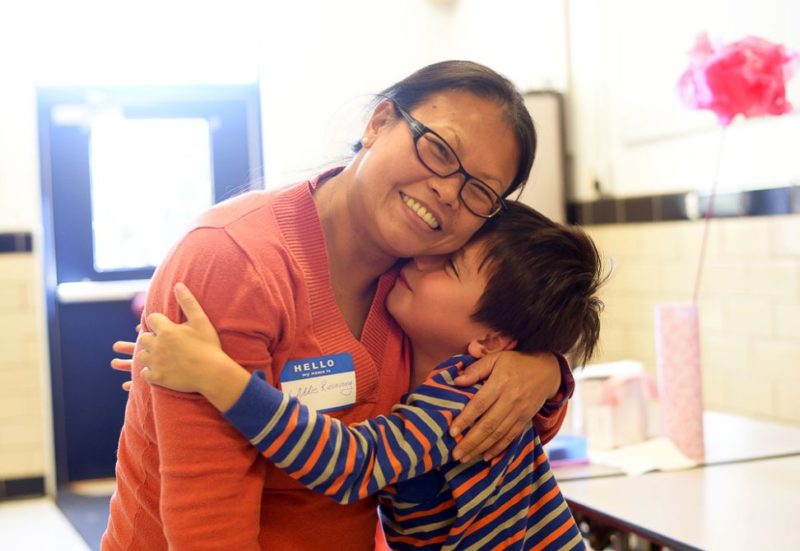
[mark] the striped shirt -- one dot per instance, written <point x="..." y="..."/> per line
<point x="427" y="500"/>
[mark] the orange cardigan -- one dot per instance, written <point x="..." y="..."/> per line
<point x="185" y="478"/>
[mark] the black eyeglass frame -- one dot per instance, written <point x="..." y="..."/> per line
<point x="417" y="131"/>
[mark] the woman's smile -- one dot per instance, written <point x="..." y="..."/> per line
<point x="421" y="211"/>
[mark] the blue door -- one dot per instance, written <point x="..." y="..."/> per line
<point x="124" y="171"/>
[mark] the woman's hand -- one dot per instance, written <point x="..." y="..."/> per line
<point x="516" y="388"/>
<point x="188" y="357"/>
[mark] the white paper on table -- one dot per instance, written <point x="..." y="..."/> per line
<point x="656" y="454"/>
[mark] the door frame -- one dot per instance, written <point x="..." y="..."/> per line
<point x="49" y="97"/>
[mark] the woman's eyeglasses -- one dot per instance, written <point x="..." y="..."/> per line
<point x="437" y="156"/>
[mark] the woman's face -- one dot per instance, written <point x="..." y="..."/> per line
<point x="393" y="186"/>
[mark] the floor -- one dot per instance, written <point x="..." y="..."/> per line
<point x="88" y="514"/>
<point x="38" y="525"/>
<point x="75" y="521"/>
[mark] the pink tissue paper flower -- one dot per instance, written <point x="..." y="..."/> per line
<point x="746" y="77"/>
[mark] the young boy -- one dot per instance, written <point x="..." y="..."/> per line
<point x="524" y="283"/>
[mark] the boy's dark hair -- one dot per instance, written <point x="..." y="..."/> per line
<point x="468" y="76"/>
<point x="542" y="283"/>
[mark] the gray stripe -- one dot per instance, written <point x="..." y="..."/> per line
<point x="378" y="474"/>
<point x="329" y="470"/>
<point x="418" y="529"/>
<point x="454" y="471"/>
<point x="481" y="544"/>
<point x="300" y="445"/>
<point x="425" y="399"/>
<point x="573" y="543"/>
<point x="545" y="521"/>
<point x="413" y="460"/>
<point x="256" y="440"/>
<point x="508" y="486"/>
<point x="362" y="445"/>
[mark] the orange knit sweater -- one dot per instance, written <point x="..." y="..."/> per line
<point x="185" y="478"/>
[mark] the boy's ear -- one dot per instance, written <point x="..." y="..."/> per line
<point x="381" y="117"/>
<point x="491" y="342"/>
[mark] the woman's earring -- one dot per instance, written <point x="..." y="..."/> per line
<point x="365" y="141"/>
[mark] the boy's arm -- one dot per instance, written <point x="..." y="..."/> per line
<point x="344" y="462"/>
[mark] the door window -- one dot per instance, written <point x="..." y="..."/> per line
<point x="149" y="179"/>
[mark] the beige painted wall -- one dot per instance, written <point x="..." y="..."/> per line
<point x="23" y="394"/>
<point x="749" y="304"/>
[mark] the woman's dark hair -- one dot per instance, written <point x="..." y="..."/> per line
<point x="479" y="80"/>
<point x="542" y="283"/>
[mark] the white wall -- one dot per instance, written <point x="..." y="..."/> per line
<point x="522" y="39"/>
<point x="160" y="42"/>
<point x="320" y="63"/>
<point x="316" y="82"/>
<point x="631" y="131"/>
<point x="19" y="150"/>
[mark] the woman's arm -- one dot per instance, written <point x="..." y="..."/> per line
<point x="519" y="387"/>
<point x="192" y="441"/>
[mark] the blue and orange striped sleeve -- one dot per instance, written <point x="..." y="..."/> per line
<point x="345" y="462"/>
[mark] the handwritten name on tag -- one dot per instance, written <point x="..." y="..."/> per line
<point x="323" y="383"/>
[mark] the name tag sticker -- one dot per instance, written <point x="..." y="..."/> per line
<point x="323" y="383"/>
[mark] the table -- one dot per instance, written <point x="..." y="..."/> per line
<point x="747" y="505"/>
<point x="746" y="494"/>
<point x="728" y="438"/>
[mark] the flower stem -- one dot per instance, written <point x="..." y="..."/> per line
<point x="708" y="215"/>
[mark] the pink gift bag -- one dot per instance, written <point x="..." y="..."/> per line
<point x="680" y="379"/>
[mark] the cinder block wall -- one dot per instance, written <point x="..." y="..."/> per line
<point x="749" y="304"/>
<point x="22" y="394"/>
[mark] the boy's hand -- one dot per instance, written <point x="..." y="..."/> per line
<point x="124" y="364"/>
<point x="188" y="357"/>
<point x="516" y="387"/>
<point x="176" y="355"/>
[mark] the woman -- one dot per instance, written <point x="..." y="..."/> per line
<point x="297" y="279"/>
